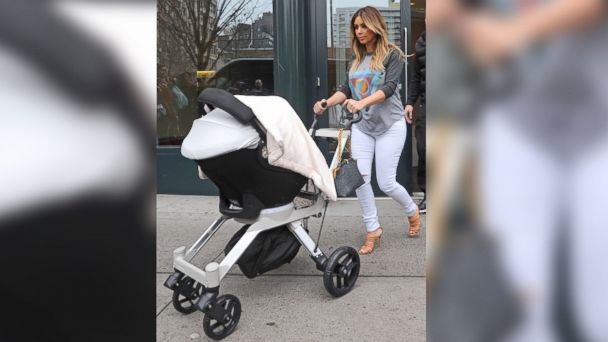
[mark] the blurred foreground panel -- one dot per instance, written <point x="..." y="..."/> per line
<point x="77" y="239"/>
<point x="518" y="112"/>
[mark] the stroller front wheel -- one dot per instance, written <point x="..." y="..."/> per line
<point x="223" y="316"/>
<point x="186" y="296"/>
<point x="341" y="271"/>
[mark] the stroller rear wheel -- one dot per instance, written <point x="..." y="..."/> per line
<point x="186" y="295"/>
<point x="341" y="271"/>
<point x="223" y="316"/>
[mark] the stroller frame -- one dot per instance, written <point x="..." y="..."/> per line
<point x="201" y="287"/>
<point x="268" y="219"/>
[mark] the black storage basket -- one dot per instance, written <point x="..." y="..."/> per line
<point x="269" y="250"/>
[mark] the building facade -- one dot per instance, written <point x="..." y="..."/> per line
<point x="341" y="25"/>
<point x="171" y="56"/>
<point x="254" y="40"/>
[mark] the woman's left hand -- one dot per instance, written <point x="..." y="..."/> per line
<point x="354" y="106"/>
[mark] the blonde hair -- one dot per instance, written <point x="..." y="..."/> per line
<point x="374" y="21"/>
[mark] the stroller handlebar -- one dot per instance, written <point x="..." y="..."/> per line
<point x="351" y="118"/>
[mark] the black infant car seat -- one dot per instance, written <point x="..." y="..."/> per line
<point x="244" y="177"/>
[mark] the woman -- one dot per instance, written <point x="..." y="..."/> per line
<point x="371" y="88"/>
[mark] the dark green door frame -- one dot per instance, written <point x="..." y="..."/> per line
<point x="404" y="170"/>
<point x="300" y="54"/>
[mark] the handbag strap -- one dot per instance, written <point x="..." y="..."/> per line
<point x="347" y="147"/>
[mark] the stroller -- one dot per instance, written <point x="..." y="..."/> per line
<point x="261" y="197"/>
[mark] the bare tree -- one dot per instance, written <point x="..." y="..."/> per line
<point x="195" y="25"/>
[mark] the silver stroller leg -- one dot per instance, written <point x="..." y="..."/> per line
<point x="202" y="241"/>
<point x="316" y="254"/>
<point x="302" y="236"/>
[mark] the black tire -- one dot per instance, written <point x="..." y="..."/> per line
<point x="341" y="271"/>
<point x="217" y="329"/>
<point x="186" y="304"/>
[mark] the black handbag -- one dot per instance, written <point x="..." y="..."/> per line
<point x="347" y="177"/>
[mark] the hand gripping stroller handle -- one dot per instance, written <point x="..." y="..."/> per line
<point x="356" y="117"/>
<point x="352" y="119"/>
<point x="312" y="129"/>
<point x="315" y="116"/>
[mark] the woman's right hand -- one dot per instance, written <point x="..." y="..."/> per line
<point x="409" y="114"/>
<point x="320" y="107"/>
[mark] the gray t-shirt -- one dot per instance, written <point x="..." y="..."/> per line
<point x="365" y="81"/>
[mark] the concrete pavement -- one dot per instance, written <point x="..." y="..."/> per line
<point x="290" y="303"/>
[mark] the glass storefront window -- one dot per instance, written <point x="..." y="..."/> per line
<point x="233" y="52"/>
<point x="418" y="10"/>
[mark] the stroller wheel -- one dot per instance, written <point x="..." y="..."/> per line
<point x="186" y="296"/>
<point x="341" y="271"/>
<point x="221" y="320"/>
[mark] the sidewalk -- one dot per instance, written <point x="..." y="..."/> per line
<point x="290" y="303"/>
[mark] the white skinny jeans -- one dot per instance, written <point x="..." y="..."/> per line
<point x="387" y="149"/>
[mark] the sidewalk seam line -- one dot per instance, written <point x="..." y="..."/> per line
<point x="163" y="309"/>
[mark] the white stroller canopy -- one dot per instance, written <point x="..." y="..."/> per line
<point x="218" y="133"/>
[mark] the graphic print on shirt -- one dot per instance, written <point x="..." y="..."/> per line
<point x="365" y="82"/>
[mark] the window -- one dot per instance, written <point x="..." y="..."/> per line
<point x="239" y="51"/>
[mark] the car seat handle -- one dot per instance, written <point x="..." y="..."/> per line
<point x="222" y="99"/>
<point x="219" y="98"/>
